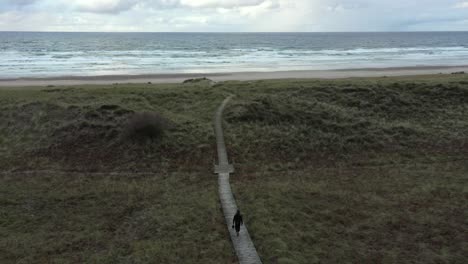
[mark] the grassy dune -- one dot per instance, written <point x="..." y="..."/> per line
<point x="327" y="171"/>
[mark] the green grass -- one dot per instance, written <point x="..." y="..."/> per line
<point x="396" y="214"/>
<point x="365" y="170"/>
<point x="89" y="218"/>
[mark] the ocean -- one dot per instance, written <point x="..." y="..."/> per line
<point x="40" y="54"/>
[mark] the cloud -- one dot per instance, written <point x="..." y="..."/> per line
<point x="220" y="4"/>
<point x="257" y="10"/>
<point x="21" y="2"/>
<point x="233" y="15"/>
<point x="343" y="5"/>
<point x="103" y="6"/>
<point x="118" y="6"/>
<point x="462" y="5"/>
<point x="7" y="18"/>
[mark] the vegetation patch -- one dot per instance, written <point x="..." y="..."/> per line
<point x="146" y="126"/>
<point x="364" y="170"/>
<point x="203" y="80"/>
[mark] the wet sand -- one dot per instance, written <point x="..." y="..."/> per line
<point x="240" y="76"/>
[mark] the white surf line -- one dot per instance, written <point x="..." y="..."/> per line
<point x="245" y="249"/>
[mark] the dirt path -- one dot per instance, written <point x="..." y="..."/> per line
<point x="243" y="245"/>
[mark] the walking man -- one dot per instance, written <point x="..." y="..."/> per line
<point x="237" y="222"/>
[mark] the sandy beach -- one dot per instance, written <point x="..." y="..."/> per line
<point x="239" y="76"/>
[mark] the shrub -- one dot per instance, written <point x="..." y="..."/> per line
<point x="197" y="80"/>
<point x="145" y="126"/>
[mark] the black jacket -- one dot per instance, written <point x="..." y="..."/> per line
<point x="237" y="220"/>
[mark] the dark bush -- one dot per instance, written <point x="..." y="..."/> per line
<point x="109" y="107"/>
<point x="197" y="80"/>
<point x="145" y="126"/>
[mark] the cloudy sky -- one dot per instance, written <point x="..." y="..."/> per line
<point x="233" y="15"/>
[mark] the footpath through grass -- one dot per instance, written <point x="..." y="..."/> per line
<point x="327" y="171"/>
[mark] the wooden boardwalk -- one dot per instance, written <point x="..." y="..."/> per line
<point x="243" y="245"/>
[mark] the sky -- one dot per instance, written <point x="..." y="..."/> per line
<point x="233" y="15"/>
